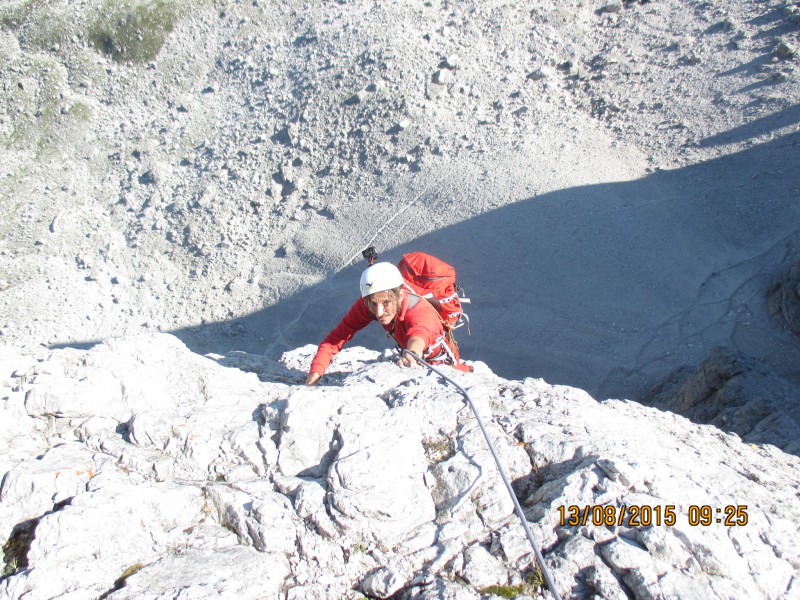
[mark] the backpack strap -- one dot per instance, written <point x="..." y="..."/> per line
<point x="413" y="299"/>
<point x="444" y="348"/>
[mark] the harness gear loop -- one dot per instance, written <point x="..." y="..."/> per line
<point x="523" y="520"/>
<point x="444" y="348"/>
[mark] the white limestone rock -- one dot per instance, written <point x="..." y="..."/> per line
<point x="376" y="486"/>
<point x="307" y="428"/>
<point x="34" y="487"/>
<point x="272" y="525"/>
<point x="192" y="475"/>
<point x="481" y="569"/>
<point x="382" y="583"/>
<point x="310" y="504"/>
<point x="623" y="555"/>
<point x="455" y="479"/>
<point x="94" y="539"/>
<point x="602" y="581"/>
<point x="209" y="574"/>
<point x="261" y="517"/>
<point x="20" y="436"/>
<point x="491" y="498"/>
<point x="92" y="392"/>
<point x="95" y="426"/>
<point x="440" y="589"/>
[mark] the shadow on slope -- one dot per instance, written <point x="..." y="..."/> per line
<point x="606" y="287"/>
<point x="783" y="118"/>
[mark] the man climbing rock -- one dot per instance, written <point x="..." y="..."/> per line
<point x="410" y="319"/>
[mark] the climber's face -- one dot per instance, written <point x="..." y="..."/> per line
<point x="384" y="306"/>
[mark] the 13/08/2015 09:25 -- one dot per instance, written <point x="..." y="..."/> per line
<point x="645" y="515"/>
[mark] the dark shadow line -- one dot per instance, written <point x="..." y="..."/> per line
<point x="759" y="127"/>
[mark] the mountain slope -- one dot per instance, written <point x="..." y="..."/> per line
<point x="184" y="166"/>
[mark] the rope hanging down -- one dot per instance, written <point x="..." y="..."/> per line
<point x="524" y="521"/>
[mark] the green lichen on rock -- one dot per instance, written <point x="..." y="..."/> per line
<point x="80" y="112"/>
<point x="12" y="14"/>
<point x="39" y="114"/>
<point x="133" y="30"/>
<point x="41" y="24"/>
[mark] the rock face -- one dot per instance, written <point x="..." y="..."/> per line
<point x="177" y="483"/>
<point x="738" y="394"/>
<point x="783" y="299"/>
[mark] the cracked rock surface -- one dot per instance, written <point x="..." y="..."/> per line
<point x="387" y="488"/>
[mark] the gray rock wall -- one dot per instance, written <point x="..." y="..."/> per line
<point x="221" y="475"/>
<point x="783" y="299"/>
<point x="738" y="394"/>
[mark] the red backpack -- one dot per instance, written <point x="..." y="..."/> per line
<point x="435" y="280"/>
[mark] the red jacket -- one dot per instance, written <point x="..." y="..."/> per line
<point x="419" y="319"/>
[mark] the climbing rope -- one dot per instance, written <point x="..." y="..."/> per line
<point x="523" y="520"/>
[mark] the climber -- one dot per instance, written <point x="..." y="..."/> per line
<point x="412" y="321"/>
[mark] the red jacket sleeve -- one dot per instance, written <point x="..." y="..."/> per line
<point x="355" y="320"/>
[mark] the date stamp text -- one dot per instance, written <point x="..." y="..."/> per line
<point x="645" y="515"/>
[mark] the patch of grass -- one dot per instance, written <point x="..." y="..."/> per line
<point x="133" y="30"/>
<point x="120" y="581"/>
<point x="534" y="581"/>
<point x="132" y="570"/>
<point x="12" y="14"/>
<point x="504" y="591"/>
<point x="39" y="23"/>
<point x="437" y="449"/>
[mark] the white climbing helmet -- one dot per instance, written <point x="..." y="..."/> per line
<point x="380" y="277"/>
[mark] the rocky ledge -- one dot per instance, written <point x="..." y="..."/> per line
<point x="138" y="469"/>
